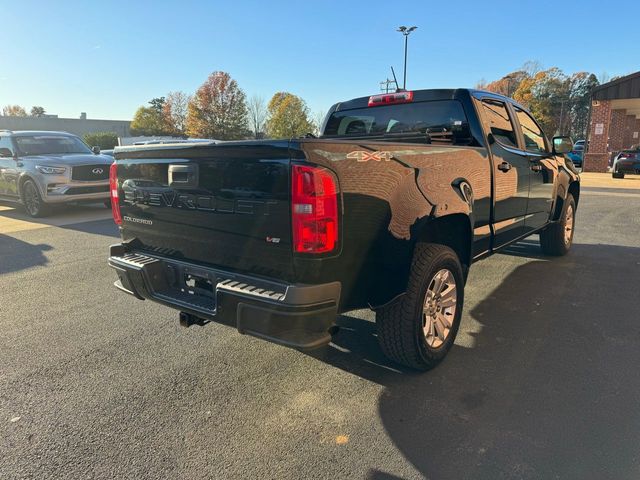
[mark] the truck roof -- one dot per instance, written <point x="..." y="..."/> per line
<point x="424" y="95"/>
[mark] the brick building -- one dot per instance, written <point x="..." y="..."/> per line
<point x="614" y="121"/>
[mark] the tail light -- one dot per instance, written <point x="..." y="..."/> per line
<point x="624" y="155"/>
<point x="390" y="99"/>
<point x="113" y="189"/>
<point x="314" y="199"/>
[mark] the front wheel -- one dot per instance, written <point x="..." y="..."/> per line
<point x="33" y="203"/>
<point x="617" y="175"/>
<point x="419" y="328"/>
<point x="557" y="238"/>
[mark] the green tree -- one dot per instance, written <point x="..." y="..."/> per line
<point x="288" y="116"/>
<point x="147" y="122"/>
<point x="157" y="104"/>
<point x="559" y="103"/>
<point x="545" y="94"/>
<point x="150" y="121"/>
<point x="14" y="111"/>
<point x="218" y="110"/>
<point x="37" y="111"/>
<point x="105" y="140"/>
<point x="581" y="85"/>
<point x="507" y="85"/>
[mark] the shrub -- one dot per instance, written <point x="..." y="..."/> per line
<point x="105" y="140"/>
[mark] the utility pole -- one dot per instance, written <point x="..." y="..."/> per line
<point x="384" y="85"/>
<point x="405" y="31"/>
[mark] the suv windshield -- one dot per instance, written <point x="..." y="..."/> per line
<point x="47" y="145"/>
<point x="442" y="121"/>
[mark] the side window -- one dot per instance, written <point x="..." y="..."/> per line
<point x="5" y="142"/>
<point x="499" y="123"/>
<point x="533" y="135"/>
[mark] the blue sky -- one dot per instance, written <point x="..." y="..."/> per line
<point x="108" y="58"/>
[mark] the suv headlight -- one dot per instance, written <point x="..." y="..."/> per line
<point x="50" y="170"/>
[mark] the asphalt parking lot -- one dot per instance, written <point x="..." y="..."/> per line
<point x="543" y="381"/>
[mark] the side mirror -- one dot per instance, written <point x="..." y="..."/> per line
<point x="562" y="145"/>
<point x="5" y="152"/>
<point x="95" y="149"/>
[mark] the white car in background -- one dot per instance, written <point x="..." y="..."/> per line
<point x="39" y="169"/>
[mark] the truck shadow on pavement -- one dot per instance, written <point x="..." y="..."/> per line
<point x="547" y="387"/>
<point x="16" y="255"/>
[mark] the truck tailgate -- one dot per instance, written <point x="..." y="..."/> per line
<point x="226" y="205"/>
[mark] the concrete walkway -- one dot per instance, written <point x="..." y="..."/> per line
<point x="605" y="180"/>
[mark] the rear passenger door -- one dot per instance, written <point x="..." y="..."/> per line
<point x="510" y="172"/>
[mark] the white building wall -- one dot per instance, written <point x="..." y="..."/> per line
<point x="76" y="126"/>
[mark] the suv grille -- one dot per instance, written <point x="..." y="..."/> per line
<point x="89" y="173"/>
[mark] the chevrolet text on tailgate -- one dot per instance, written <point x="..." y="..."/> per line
<point x="388" y="209"/>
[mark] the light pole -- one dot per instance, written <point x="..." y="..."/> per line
<point x="508" y="78"/>
<point x="405" y="31"/>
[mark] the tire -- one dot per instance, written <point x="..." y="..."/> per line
<point x="617" y="175"/>
<point x="403" y="325"/>
<point x="557" y="238"/>
<point x="32" y="200"/>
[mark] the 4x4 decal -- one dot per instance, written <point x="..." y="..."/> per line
<point x="365" y="156"/>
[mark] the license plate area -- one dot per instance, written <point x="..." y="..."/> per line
<point x="197" y="284"/>
<point x="191" y="285"/>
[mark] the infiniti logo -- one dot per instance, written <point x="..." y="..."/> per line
<point x="97" y="171"/>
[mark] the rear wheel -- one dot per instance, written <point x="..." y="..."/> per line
<point x="419" y="328"/>
<point x="617" y="175"/>
<point x="557" y="238"/>
<point x="33" y="203"/>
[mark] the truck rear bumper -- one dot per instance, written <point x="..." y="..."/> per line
<point x="297" y="316"/>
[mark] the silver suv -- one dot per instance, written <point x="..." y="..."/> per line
<point x="39" y="169"/>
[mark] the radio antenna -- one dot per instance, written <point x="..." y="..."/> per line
<point x="395" y="79"/>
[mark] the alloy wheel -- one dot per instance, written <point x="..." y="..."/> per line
<point x="568" y="225"/>
<point x="31" y="199"/>
<point x="439" y="308"/>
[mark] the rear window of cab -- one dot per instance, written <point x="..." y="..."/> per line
<point x="440" y="121"/>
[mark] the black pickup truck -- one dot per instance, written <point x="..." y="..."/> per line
<point x="386" y="210"/>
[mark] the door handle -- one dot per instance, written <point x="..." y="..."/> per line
<point x="536" y="168"/>
<point x="504" y="166"/>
